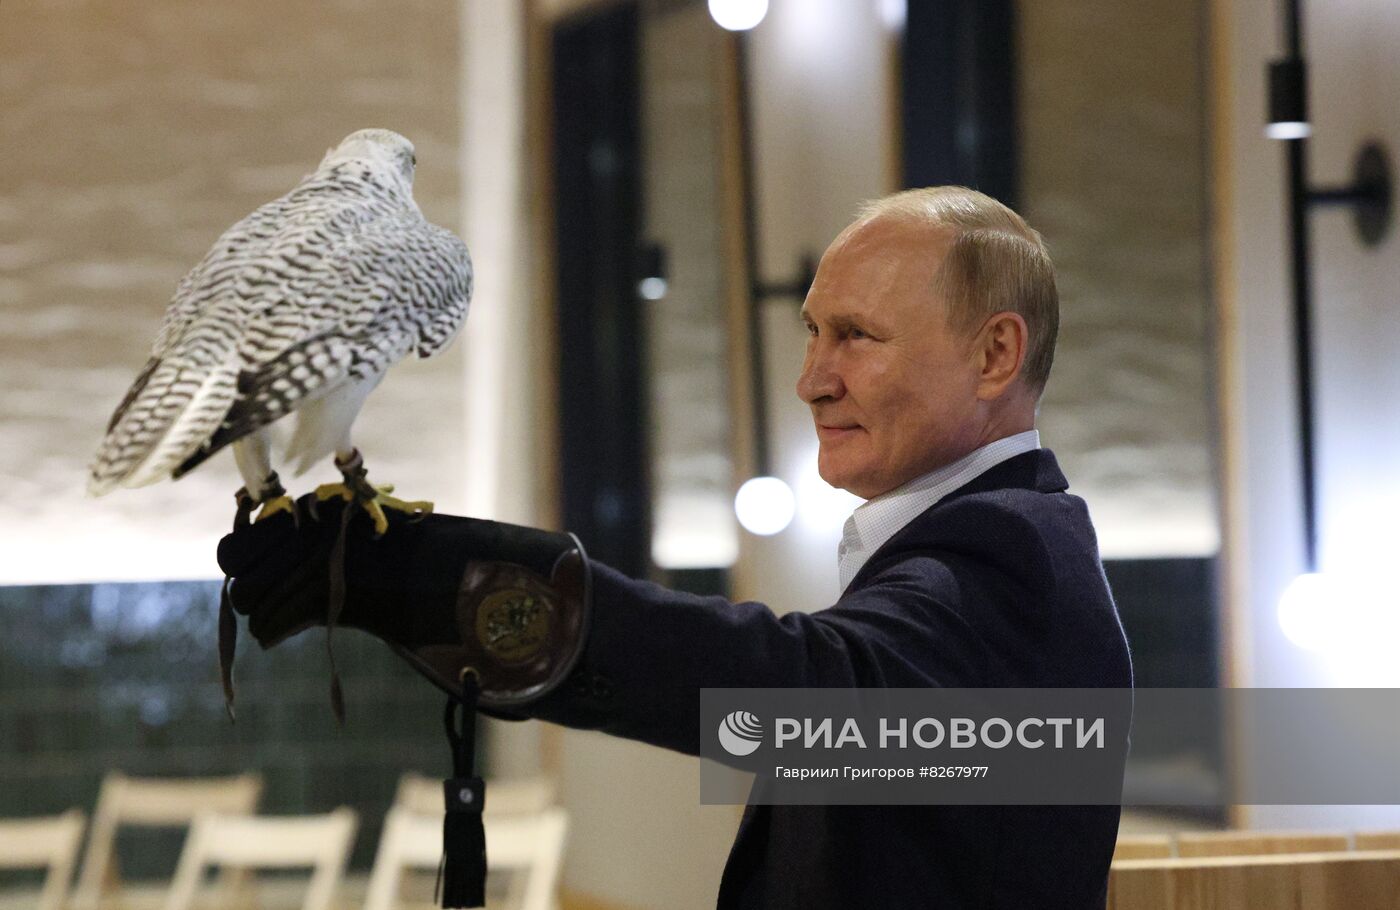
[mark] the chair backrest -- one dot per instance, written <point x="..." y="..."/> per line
<point x="1378" y="840"/>
<point x="44" y="843"/>
<point x="523" y="796"/>
<point x="319" y="842"/>
<point x="1308" y="881"/>
<point x="1142" y="846"/>
<point x="531" y="845"/>
<point x="152" y="802"/>
<point x="419" y="793"/>
<point x="1257" y="843"/>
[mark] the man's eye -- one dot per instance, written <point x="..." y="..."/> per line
<point x="858" y="333"/>
<point x="811" y="329"/>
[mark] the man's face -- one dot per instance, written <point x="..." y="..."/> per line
<point x="893" y="391"/>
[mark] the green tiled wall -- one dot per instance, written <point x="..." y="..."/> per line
<point x="125" y="676"/>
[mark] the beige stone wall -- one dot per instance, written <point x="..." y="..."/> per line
<point x="133" y="134"/>
<point x="1113" y="162"/>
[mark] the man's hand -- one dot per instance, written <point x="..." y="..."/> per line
<point x="451" y="595"/>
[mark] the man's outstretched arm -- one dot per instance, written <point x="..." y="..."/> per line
<point x="635" y="666"/>
<point x="651" y="650"/>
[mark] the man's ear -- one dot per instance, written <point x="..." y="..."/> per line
<point x="1001" y="350"/>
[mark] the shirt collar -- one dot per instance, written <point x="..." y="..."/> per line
<point x="876" y="521"/>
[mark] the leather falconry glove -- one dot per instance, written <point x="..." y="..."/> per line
<point x="495" y="615"/>
<point x="453" y="596"/>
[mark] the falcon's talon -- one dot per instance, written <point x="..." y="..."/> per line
<point x="246" y="504"/>
<point x="416" y="508"/>
<point x="376" y="514"/>
<point x="332" y="491"/>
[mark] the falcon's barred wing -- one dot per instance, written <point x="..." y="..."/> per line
<point x="137" y="387"/>
<point x="445" y="313"/>
<point x="237" y="248"/>
<point x="202" y="285"/>
<point x="391" y="286"/>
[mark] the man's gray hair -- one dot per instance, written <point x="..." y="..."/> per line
<point x="996" y="263"/>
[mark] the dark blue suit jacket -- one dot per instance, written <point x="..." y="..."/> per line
<point x="999" y="584"/>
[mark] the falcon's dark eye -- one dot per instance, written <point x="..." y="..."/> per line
<point x="413" y="159"/>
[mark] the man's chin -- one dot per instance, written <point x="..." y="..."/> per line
<point x="840" y="479"/>
<point x="831" y="476"/>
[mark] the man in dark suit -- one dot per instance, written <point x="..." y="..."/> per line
<point x="932" y="323"/>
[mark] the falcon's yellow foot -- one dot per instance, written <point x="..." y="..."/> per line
<point x="373" y="498"/>
<point x="272" y="506"/>
<point x="274" y="500"/>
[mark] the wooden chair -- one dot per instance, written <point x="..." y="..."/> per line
<point x="529" y="845"/>
<point x="44" y="843"/>
<point x="523" y="796"/>
<point x="1142" y="846"/>
<point x="320" y="842"/>
<point x="1308" y="881"/>
<point x="1257" y="843"/>
<point x="152" y="802"/>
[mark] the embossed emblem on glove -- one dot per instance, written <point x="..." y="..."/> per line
<point x="513" y="624"/>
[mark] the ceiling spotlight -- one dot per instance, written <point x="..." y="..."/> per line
<point x="764" y="505"/>
<point x="738" y="15"/>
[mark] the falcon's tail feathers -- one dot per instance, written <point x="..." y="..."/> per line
<point x="168" y="415"/>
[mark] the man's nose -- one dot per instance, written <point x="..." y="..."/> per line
<point x="819" y="379"/>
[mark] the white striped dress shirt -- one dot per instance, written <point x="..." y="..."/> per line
<point x="879" y="519"/>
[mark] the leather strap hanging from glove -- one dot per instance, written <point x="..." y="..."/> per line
<point x="462" y="874"/>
